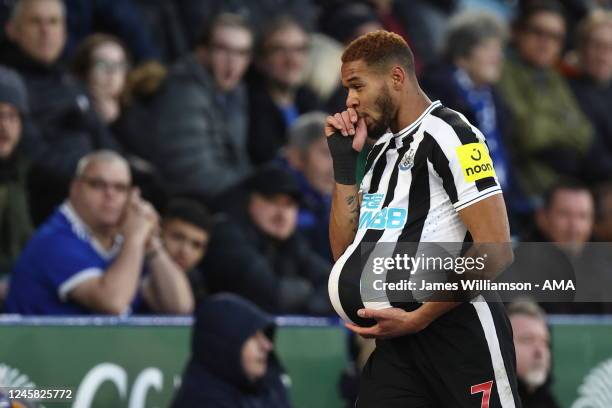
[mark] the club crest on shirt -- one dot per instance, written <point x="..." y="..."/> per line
<point x="408" y="160"/>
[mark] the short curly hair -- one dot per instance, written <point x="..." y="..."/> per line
<point x="378" y="49"/>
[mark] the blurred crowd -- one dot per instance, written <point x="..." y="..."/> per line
<point x="154" y="153"/>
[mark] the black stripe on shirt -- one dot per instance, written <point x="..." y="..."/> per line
<point x="372" y="154"/>
<point x="419" y="196"/>
<point x="466" y="135"/>
<point x="441" y="165"/>
<point x="379" y="170"/>
<point x="391" y="187"/>
<point x="349" y="281"/>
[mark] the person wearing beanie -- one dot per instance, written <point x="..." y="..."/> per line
<point x="232" y="362"/>
<point x="15" y="222"/>
<point x="275" y="268"/>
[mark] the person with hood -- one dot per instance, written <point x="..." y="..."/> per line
<point x="232" y="362"/>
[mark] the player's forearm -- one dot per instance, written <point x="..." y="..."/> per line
<point x="172" y="288"/>
<point x="488" y="224"/>
<point x="344" y="218"/>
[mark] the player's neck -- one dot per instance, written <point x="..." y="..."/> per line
<point x="410" y="109"/>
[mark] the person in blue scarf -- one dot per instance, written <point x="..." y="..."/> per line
<point x="466" y="81"/>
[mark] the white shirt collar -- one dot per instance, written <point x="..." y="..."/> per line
<point x="389" y="135"/>
<point x="83" y="232"/>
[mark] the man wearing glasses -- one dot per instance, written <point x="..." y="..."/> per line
<point x="277" y="95"/>
<point x="200" y="137"/>
<point x="551" y="135"/>
<point x="99" y="252"/>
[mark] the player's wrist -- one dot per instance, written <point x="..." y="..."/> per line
<point x="344" y="171"/>
<point x="344" y="159"/>
<point x="416" y="321"/>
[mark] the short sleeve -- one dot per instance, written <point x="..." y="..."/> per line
<point x="461" y="158"/>
<point x="68" y="262"/>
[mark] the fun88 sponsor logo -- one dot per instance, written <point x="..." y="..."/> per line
<point x="373" y="217"/>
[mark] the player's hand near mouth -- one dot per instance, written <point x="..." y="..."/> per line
<point x="348" y="123"/>
<point x="346" y="135"/>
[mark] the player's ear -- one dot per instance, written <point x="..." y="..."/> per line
<point x="398" y="76"/>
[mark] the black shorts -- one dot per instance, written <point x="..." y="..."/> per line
<point x="463" y="359"/>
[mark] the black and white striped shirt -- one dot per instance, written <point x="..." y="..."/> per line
<point x="415" y="183"/>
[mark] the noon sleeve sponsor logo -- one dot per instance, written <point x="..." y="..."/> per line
<point x="475" y="162"/>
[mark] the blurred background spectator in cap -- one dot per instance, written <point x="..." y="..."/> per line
<point x="275" y="268"/>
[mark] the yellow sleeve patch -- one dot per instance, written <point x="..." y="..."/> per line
<point x="475" y="162"/>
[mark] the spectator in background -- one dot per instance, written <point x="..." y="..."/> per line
<point x="593" y="88"/>
<point x="602" y="228"/>
<point x="466" y="82"/>
<point x="90" y="254"/>
<point x="199" y="143"/>
<point x="257" y="13"/>
<point x="566" y="217"/>
<point x="232" y="364"/>
<point x="310" y="162"/>
<point x="276" y="94"/>
<point x="101" y="62"/>
<point x="275" y="267"/>
<point x="552" y="136"/>
<point x="185" y="233"/>
<point x="65" y="127"/>
<point x="559" y="249"/>
<point x="15" y="223"/>
<point x="533" y="354"/>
